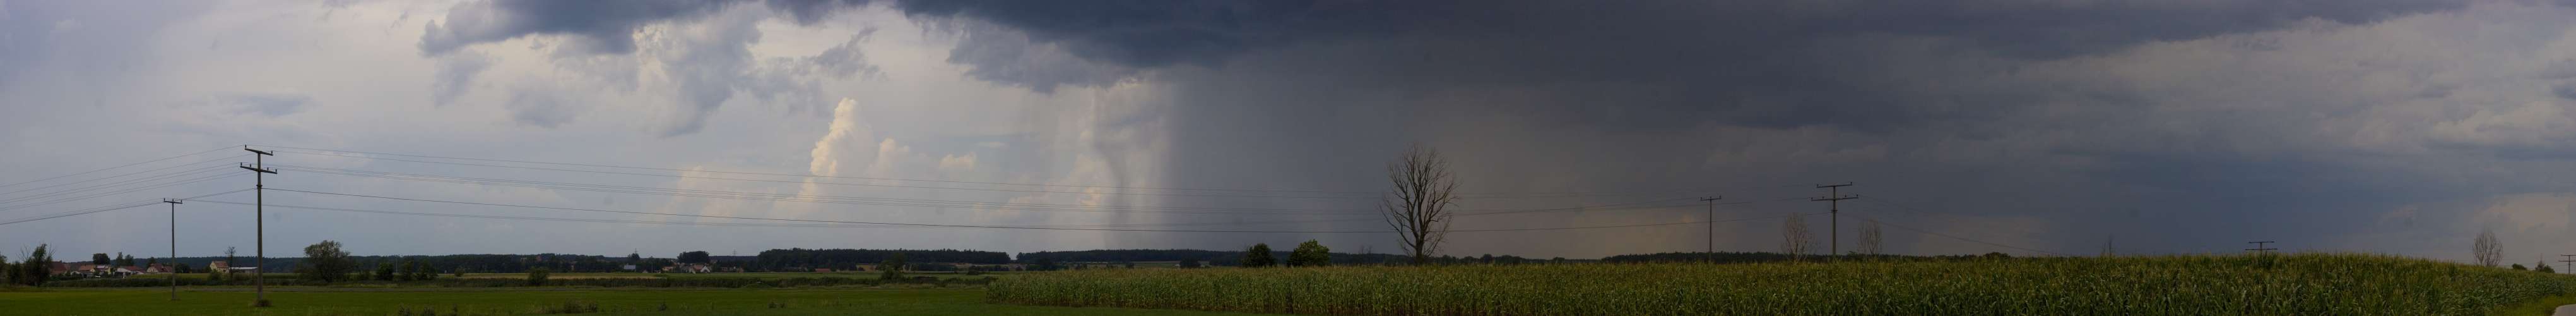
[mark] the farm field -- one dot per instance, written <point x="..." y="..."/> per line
<point x="513" y="301"/>
<point x="2304" y="284"/>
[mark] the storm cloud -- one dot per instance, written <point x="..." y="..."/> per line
<point x="2050" y="126"/>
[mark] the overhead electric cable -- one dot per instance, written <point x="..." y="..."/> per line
<point x="1370" y="194"/>
<point x="1968" y="239"/>
<point x="108" y="208"/>
<point x="119" y="166"/>
<point x="979" y="226"/>
<point x="919" y="202"/>
<point x="113" y="184"/>
<point x="121" y="175"/>
<point x="130" y="190"/>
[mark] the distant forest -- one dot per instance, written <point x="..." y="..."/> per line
<point x="799" y="259"/>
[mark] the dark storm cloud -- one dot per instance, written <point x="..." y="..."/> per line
<point x="1628" y="40"/>
<point x="1672" y="64"/>
<point x="1922" y="98"/>
<point x="605" y="28"/>
<point x="602" y="27"/>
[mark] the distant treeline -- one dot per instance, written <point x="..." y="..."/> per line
<point x="480" y="263"/>
<point x="801" y="259"/>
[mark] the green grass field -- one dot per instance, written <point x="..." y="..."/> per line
<point x="2304" y="284"/>
<point x="513" y="301"/>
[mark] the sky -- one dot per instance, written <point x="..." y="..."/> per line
<point x="2028" y="127"/>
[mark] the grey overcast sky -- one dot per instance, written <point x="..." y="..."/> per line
<point x="2169" y="126"/>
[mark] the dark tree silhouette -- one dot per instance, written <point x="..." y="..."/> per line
<point x="1258" y="256"/>
<point x="1419" y="209"/>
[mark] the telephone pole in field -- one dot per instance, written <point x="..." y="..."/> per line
<point x="2258" y="247"/>
<point x="1712" y="224"/>
<point x="1834" y="207"/>
<point x="259" y="220"/>
<point x="2571" y="262"/>
<point x="174" y="248"/>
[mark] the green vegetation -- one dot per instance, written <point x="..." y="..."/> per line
<point x="2305" y="284"/>
<point x="1258" y="256"/>
<point x="537" y="277"/>
<point x="324" y="262"/>
<point x="328" y="301"/>
<point x="1310" y="254"/>
<point x="33" y="271"/>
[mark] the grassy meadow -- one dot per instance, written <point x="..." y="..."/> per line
<point x="2301" y="284"/>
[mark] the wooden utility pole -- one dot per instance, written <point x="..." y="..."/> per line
<point x="1712" y="224"/>
<point x="1834" y="208"/>
<point x="259" y="220"/>
<point x="2258" y="247"/>
<point x="174" y="248"/>
<point x="2571" y="262"/>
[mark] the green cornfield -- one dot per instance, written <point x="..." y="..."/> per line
<point x="2299" y="284"/>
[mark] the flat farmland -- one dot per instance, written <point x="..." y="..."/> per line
<point x="537" y="300"/>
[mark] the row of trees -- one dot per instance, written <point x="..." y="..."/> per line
<point x="806" y="259"/>
<point x="32" y="271"/>
<point x="1309" y="254"/>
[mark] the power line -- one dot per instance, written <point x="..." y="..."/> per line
<point x="865" y="184"/>
<point x="933" y="203"/>
<point x="1935" y="216"/>
<point x="117" y="176"/>
<point x="130" y="190"/>
<point x="1371" y="194"/>
<point x="619" y="221"/>
<point x="119" y="166"/>
<point x="110" y="184"/>
<point x="733" y="194"/>
<point x="1834" y="200"/>
<point x="108" y="208"/>
<point x="981" y="226"/>
<point x="1968" y="239"/>
<point x="83" y="193"/>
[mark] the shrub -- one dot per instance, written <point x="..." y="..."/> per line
<point x="1258" y="256"/>
<point x="537" y="276"/>
<point x="1310" y="254"/>
<point x="325" y="262"/>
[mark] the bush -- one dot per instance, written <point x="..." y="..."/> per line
<point x="1258" y="256"/>
<point x="1310" y="254"/>
<point x="571" y="307"/>
<point x="325" y="262"/>
<point x="537" y="276"/>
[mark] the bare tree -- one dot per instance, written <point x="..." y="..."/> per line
<point x="2488" y="252"/>
<point x="1794" y="237"/>
<point x="1869" y="237"/>
<point x="1419" y="211"/>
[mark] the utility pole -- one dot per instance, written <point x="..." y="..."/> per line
<point x="2571" y="262"/>
<point x="174" y="248"/>
<point x="2258" y="247"/>
<point x="259" y="224"/>
<point x="1834" y="208"/>
<point x="1712" y="224"/>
